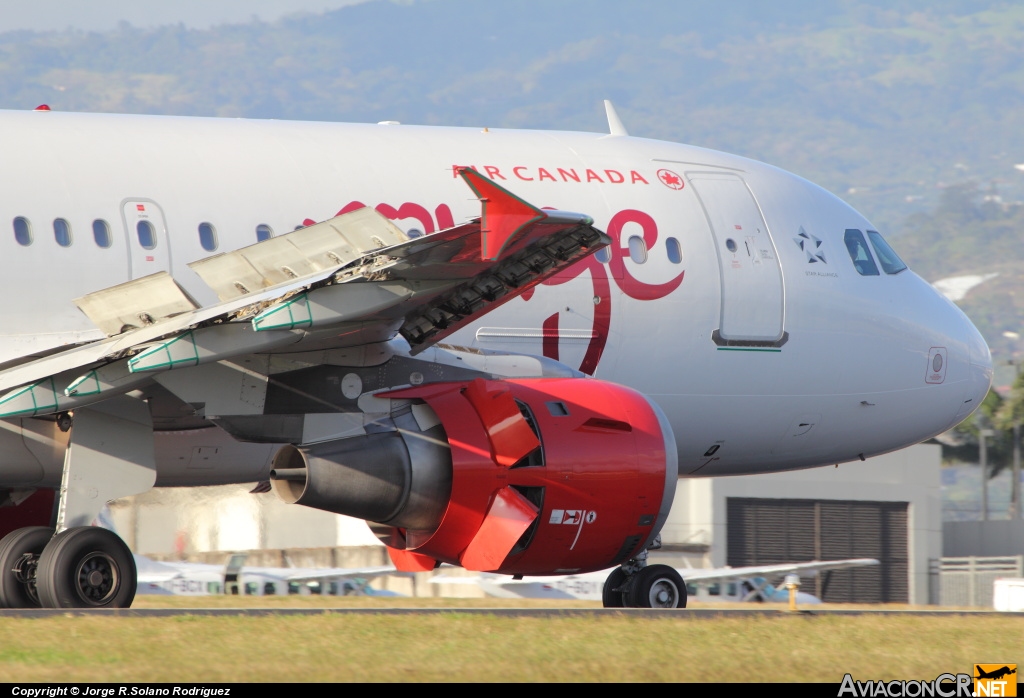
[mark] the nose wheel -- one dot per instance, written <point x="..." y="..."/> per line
<point x="653" y="586"/>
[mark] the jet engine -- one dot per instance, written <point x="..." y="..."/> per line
<point x="519" y="476"/>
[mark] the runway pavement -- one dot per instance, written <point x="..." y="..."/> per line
<point x="674" y="614"/>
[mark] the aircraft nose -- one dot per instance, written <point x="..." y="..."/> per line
<point x="979" y="367"/>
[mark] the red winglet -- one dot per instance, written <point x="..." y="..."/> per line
<point x="504" y="213"/>
<point x="508" y="518"/>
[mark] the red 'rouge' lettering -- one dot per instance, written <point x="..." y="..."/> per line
<point x="549" y="334"/>
<point x="544" y="174"/>
<point x="445" y="219"/>
<point x="635" y="177"/>
<point x="493" y="172"/>
<point x="442" y="213"/>
<point x="594" y="177"/>
<point x="632" y="287"/>
<point x="566" y="175"/>
<point x="614" y="176"/>
<point x="408" y="210"/>
<point x="350" y="206"/>
<point x="599" y="273"/>
<point x="602" y="313"/>
<point x="515" y="171"/>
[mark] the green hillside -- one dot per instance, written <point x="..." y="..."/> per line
<point x="881" y="102"/>
<point x="886" y="103"/>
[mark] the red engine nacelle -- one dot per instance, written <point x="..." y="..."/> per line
<point x="585" y="487"/>
<point x="528" y="476"/>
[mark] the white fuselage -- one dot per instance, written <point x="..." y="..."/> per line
<point x="814" y="363"/>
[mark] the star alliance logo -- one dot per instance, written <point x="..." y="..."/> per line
<point x="811" y="246"/>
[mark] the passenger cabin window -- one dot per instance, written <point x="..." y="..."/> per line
<point x="637" y="249"/>
<point x="604" y="255"/>
<point x="674" y="250"/>
<point x="858" y="249"/>
<point x="207" y="237"/>
<point x="887" y="257"/>
<point x="101" y="233"/>
<point x="22" y="231"/>
<point x="147" y="234"/>
<point x="264" y="232"/>
<point x="62" y="232"/>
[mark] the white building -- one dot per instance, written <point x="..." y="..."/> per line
<point x="888" y="507"/>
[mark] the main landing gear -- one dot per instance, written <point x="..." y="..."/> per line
<point x="648" y="586"/>
<point x="81" y="567"/>
<point x="110" y="454"/>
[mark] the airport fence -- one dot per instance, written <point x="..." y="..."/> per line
<point x="969" y="581"/>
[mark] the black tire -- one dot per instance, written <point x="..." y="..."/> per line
<point x="86" y="567"/>
<point x="17" y="580"/>
<point x="609" y="597"/>
<point x="657" y="586"/>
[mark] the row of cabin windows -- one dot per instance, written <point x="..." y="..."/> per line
<point x="856" y="244"/>
<point x="144" y="230"/>
<point x="147" y="237"/>
<point x="638" y="251"/>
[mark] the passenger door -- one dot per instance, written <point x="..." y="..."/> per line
<point x="752" y="289"/>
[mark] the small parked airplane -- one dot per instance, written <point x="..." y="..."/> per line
<point x="711" y="584"/>
<point x="198" y="579"/>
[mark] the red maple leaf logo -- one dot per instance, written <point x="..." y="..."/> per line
<point x="670" y="179"/>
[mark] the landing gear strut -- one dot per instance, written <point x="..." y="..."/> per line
<point x="639" y="585"/>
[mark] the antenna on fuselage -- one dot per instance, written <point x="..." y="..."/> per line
<point x="615" y="127"/>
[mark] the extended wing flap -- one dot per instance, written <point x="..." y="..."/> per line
<point x="351" y="280"/>
<point x="327" y="245"/>
<point x="136" y="303"/>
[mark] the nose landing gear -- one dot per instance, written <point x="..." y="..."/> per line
<point x="652" y="586"/>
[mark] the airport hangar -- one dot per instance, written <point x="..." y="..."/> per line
<point x="888" y="507"/>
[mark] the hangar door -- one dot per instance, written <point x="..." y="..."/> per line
<point x="768" y="531"/>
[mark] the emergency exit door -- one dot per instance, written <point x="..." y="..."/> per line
<point x="146" y="233"/>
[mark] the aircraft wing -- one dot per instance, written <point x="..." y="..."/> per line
<point x="152" y="572"/>
<point x="293" y="574"/>
<point x="347" y="281"/>
<point x="804" y="569"/>
<point x="589" y="586"/>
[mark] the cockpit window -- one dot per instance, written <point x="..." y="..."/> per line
<point x="890" y="261"/>
<point x="858" y="249"/>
